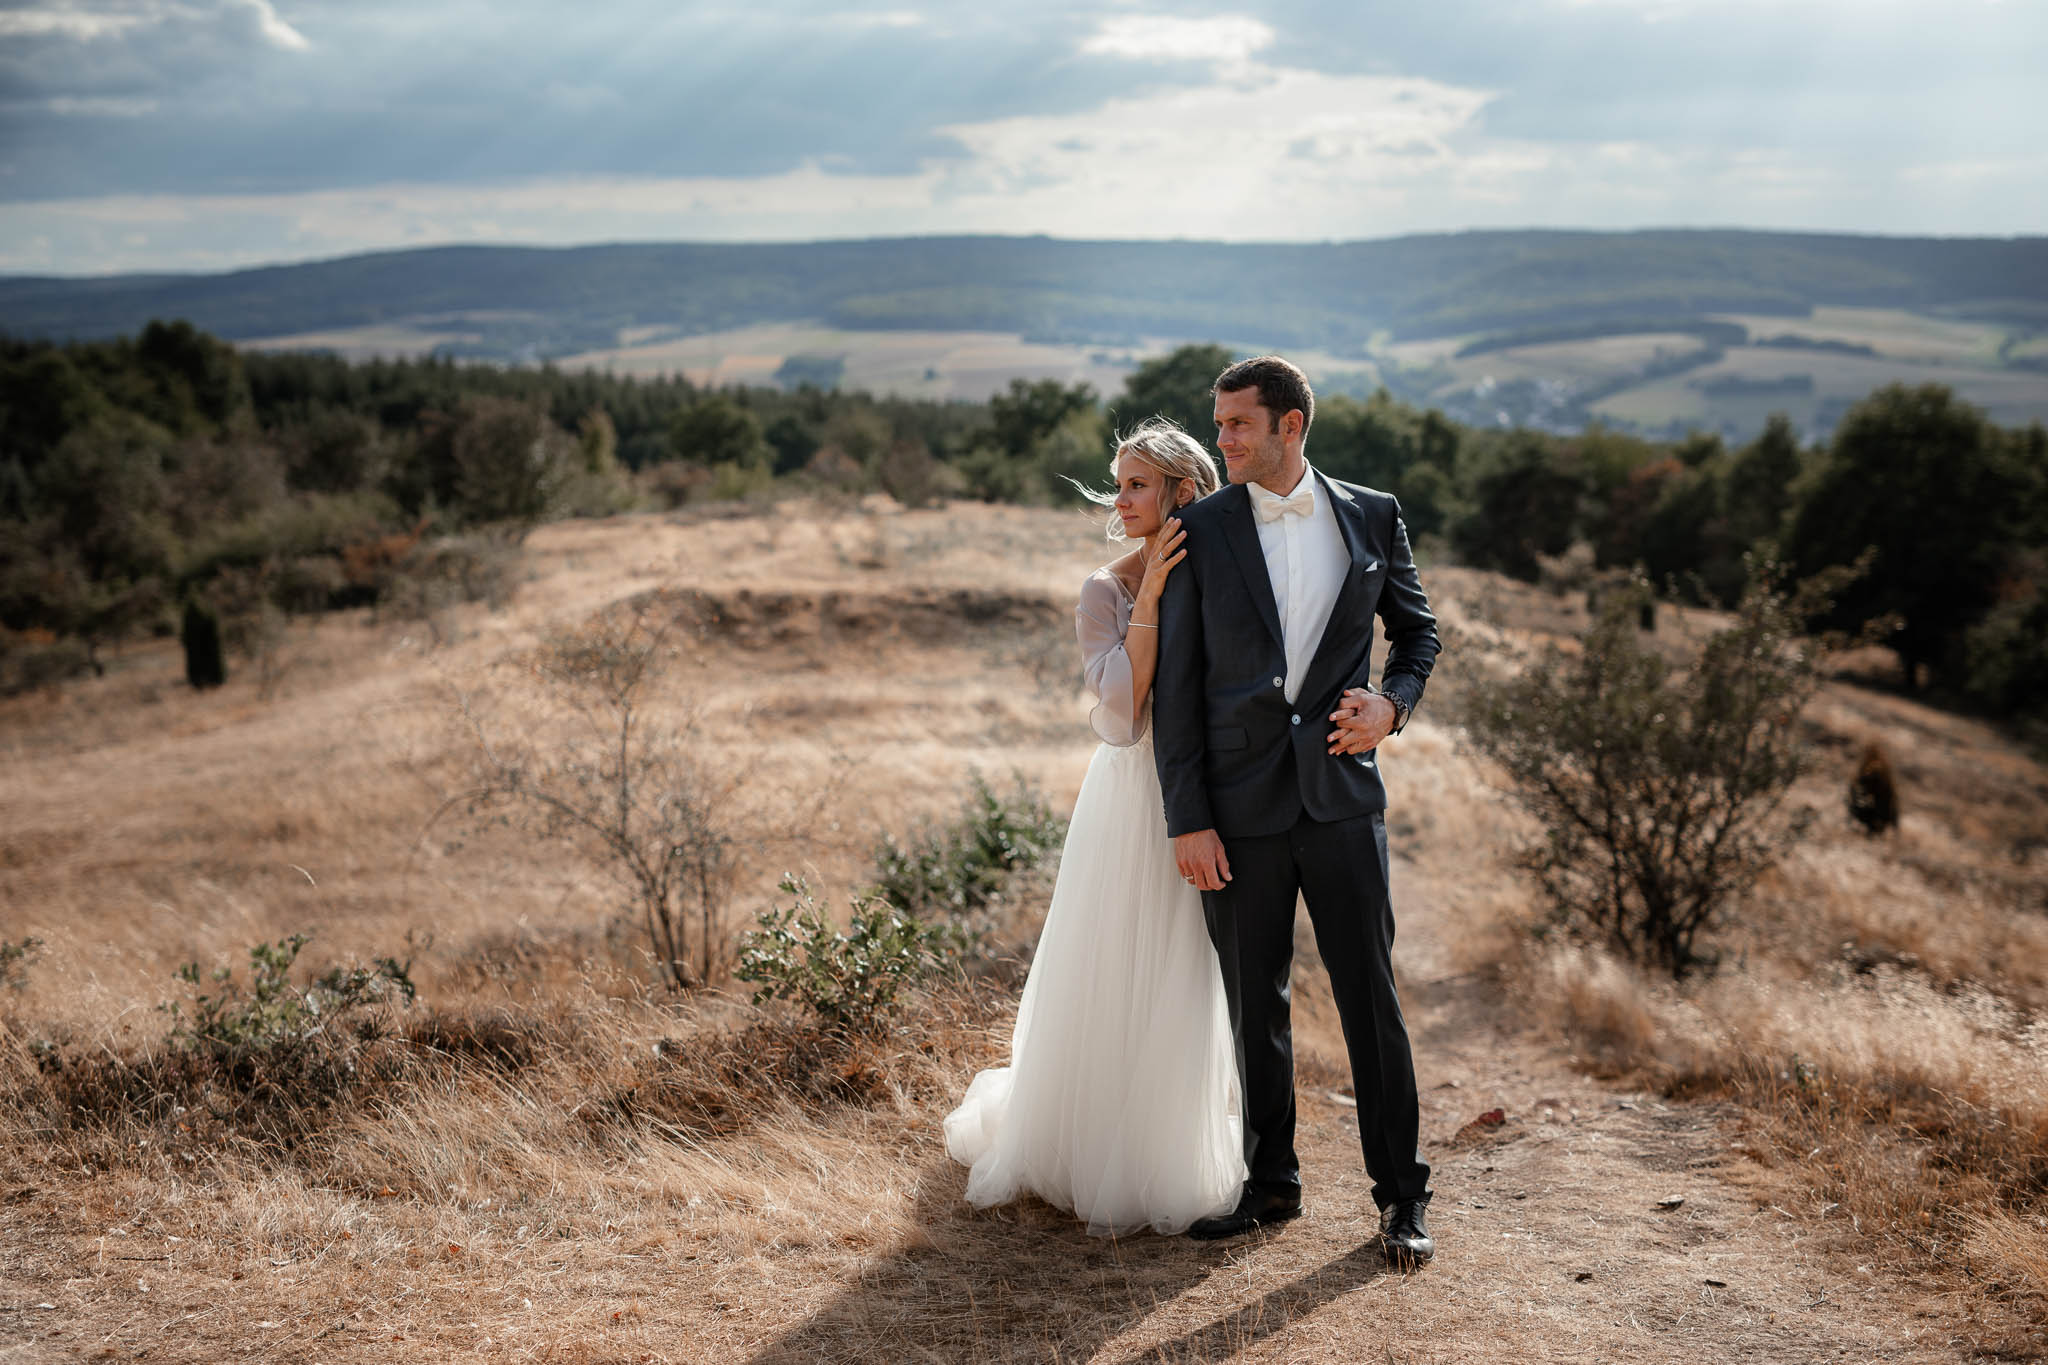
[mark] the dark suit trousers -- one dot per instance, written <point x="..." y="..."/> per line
<point x="1340" y="869"/>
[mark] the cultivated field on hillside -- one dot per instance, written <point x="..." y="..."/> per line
<point x="589" y="1168"/>
<point x="1617" y="378"/>
<point x="1835" y="357"/>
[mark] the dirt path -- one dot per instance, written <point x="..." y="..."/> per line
<point x="1554" y="1242"/>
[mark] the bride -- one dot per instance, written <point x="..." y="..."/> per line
<point x="1120" y="1102"/>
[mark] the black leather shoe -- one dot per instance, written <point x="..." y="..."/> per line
<point x="1254" y="1210"/>
<point x="1404" y="1235"/>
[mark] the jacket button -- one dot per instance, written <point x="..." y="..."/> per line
<point x="1295" y="719"/>
<point x="1279" y="682"/>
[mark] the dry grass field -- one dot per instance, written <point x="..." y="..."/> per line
<point x="550" y="1158"/>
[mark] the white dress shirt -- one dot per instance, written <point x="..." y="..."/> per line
<point x="1306" y="560"/>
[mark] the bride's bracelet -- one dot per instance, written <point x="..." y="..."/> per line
<point x="1143" y="625"/>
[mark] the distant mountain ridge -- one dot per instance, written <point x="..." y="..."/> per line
<point x="1337" y="296"/>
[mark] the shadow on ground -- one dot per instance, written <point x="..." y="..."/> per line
<point x="1027" y="1283"/>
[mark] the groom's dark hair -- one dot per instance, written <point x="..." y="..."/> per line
<point x="1282" y="388"/>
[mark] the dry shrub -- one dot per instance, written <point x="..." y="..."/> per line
<point x="434" y="577"/>
<point x="670" y="484"/>
<point x="725" y="1080"/>
<point x="35" y="659"/>
<point x="107" y="1106"/>
<point x="602" y="769"/>
<point x="1659" y="790"/>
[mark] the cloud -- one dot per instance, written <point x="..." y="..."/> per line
<point x="275" y="30"/>
<point x="1169" y="38"/>
<point x="81" y="25"/>
<point x="892" y="18"/>
<point x="83" y="22"/>
<point x="1204" y="160"/>
<point x="100" y="106"/>
<point x="232" y="131"/>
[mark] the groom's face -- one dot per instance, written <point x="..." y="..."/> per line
<point x="1253" y="440"/>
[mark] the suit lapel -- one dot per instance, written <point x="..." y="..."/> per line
<point x="1351" y="525"/>
<point x="1343" y="623"/>
<point x="1241" y="533"/>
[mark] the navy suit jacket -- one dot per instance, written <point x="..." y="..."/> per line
<point x="1233" y="755"/>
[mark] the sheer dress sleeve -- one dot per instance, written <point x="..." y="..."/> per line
<point x="1100" y="620"/>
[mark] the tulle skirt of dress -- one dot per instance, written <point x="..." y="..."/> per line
<point x="1120" y="1102"/>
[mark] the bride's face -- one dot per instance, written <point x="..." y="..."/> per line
<point x="1144" y="496"/>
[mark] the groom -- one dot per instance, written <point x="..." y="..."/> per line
<point x="1265" y="723"/>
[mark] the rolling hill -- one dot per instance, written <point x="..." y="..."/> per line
<point x="1335" y="295"/>
<point x="1495" y="326"/>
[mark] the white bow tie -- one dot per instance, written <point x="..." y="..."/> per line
<point x="1272" y="506"/>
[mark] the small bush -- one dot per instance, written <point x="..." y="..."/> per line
<point x="257" y="1061"/>
<point x="32" y="660"/>
<point x="907" y="472"/>
<point x="850" y="980"/>
<point x="14" y="959"/>
<point x="271" y="1018"/>
<point x="642" y="803"/>
<point x="2006" y="655"/>
<point x="961" y="870"/>
<point x="1658" y="789"/>
<point x="435" y="576"/>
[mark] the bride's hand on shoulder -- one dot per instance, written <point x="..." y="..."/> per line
<point x="1159" y="563"/>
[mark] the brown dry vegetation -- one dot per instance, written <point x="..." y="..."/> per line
<point x="549" y="1158"/>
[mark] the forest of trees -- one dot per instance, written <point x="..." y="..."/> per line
<point x="142" y="476"/>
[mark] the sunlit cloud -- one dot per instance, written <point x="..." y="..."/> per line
<point x="88" y="23"/>
<point x="890" y="18"/>
<point x="276" y="30"/>
<point x="83" y="25"/>
<point x="1170" y="38"/>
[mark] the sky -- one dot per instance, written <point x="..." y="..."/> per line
<point x="176" y="135"/>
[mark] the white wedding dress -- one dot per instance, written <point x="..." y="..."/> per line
<point x="1120" y="1102"/>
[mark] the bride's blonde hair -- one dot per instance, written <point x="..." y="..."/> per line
<point x="1159" y="442"/>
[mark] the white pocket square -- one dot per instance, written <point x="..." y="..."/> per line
<point x="1370" y="567"/>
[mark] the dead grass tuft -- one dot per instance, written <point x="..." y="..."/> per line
<point x="2013" y="1252"/>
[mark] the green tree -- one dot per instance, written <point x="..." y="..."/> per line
<point x="335" y="451"/>
<point x="794" y="440"/>
<point x="597" y="442"/>
<point x="1527" y="504"/>
<point x="44" y="397"/>
<point x="1923" y="480"/>
<point x="510" y="461"/>
<point x="196" y="381"/>
<point x="1758" y="491"/>
<point x="1176" y="385"/>
<point x="718" y="429"/>
<point x="1374" y="443"/>
<point x="1028" y="412"/>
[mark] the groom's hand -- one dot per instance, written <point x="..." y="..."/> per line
<point x="1363" y="719"/>
<point x="1202" y="864"/>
